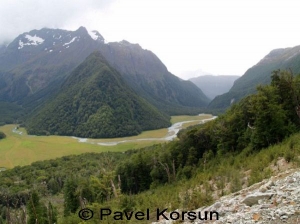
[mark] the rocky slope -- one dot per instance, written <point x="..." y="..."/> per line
<point x="274" y="200"/>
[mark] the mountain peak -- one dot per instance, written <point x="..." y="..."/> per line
<point x="81" y="29"/>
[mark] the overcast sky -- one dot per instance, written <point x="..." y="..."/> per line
<point x="217" y="36"/>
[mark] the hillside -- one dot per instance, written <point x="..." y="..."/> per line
<point x="95" y="102"/>
<point x="213" y="86"/>
<point x="36" y="63"/>
<point x="260" y="74"/>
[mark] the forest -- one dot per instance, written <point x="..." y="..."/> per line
<point x="250" y="131"/>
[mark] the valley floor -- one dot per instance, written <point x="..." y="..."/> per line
<point x="20" y="149"/>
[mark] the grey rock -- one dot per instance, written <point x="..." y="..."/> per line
<point x="217" y="205"/>
<point x="252" y="199"/>
<point x="284" y="217"/>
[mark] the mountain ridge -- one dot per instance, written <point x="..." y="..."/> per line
<point x="259" y="74"/>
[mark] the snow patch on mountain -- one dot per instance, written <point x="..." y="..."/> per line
<point x="74" y="38"/>
<point x="93" y="34"/>
<point x="32" y="40"/>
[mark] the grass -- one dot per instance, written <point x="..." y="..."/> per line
<point x="20" y="150"/>
<point x="175" y="119"/>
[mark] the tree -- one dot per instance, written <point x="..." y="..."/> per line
<point x="71" y="198"/>
<point x="270" y="122"/>
<point x="288" y="89"/>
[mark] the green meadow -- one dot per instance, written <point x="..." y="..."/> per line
<point x="22" y="149"/>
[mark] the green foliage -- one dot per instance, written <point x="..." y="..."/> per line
<point x="135" y="173"/>
<point x="16" y="182"/>
<point x="10" y="113"/>
<point x="71" y="200"/>
<point x="270" y="118"/>
<point x="127" y="203"/>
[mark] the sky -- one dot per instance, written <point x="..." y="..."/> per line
<point x="221" y="37"/>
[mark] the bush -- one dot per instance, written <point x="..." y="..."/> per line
<point x="2" y="135"/>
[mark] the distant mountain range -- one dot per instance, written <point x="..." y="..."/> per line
<point x="212" y="85"/>
<point x="194" y="74"/>
<point x="35" y="66"/>
<point x="259" y="74"/>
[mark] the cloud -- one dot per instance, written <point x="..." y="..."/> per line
<point x="18" y="16"/>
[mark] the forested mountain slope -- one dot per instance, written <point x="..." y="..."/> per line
<point x="95" y="102"/>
